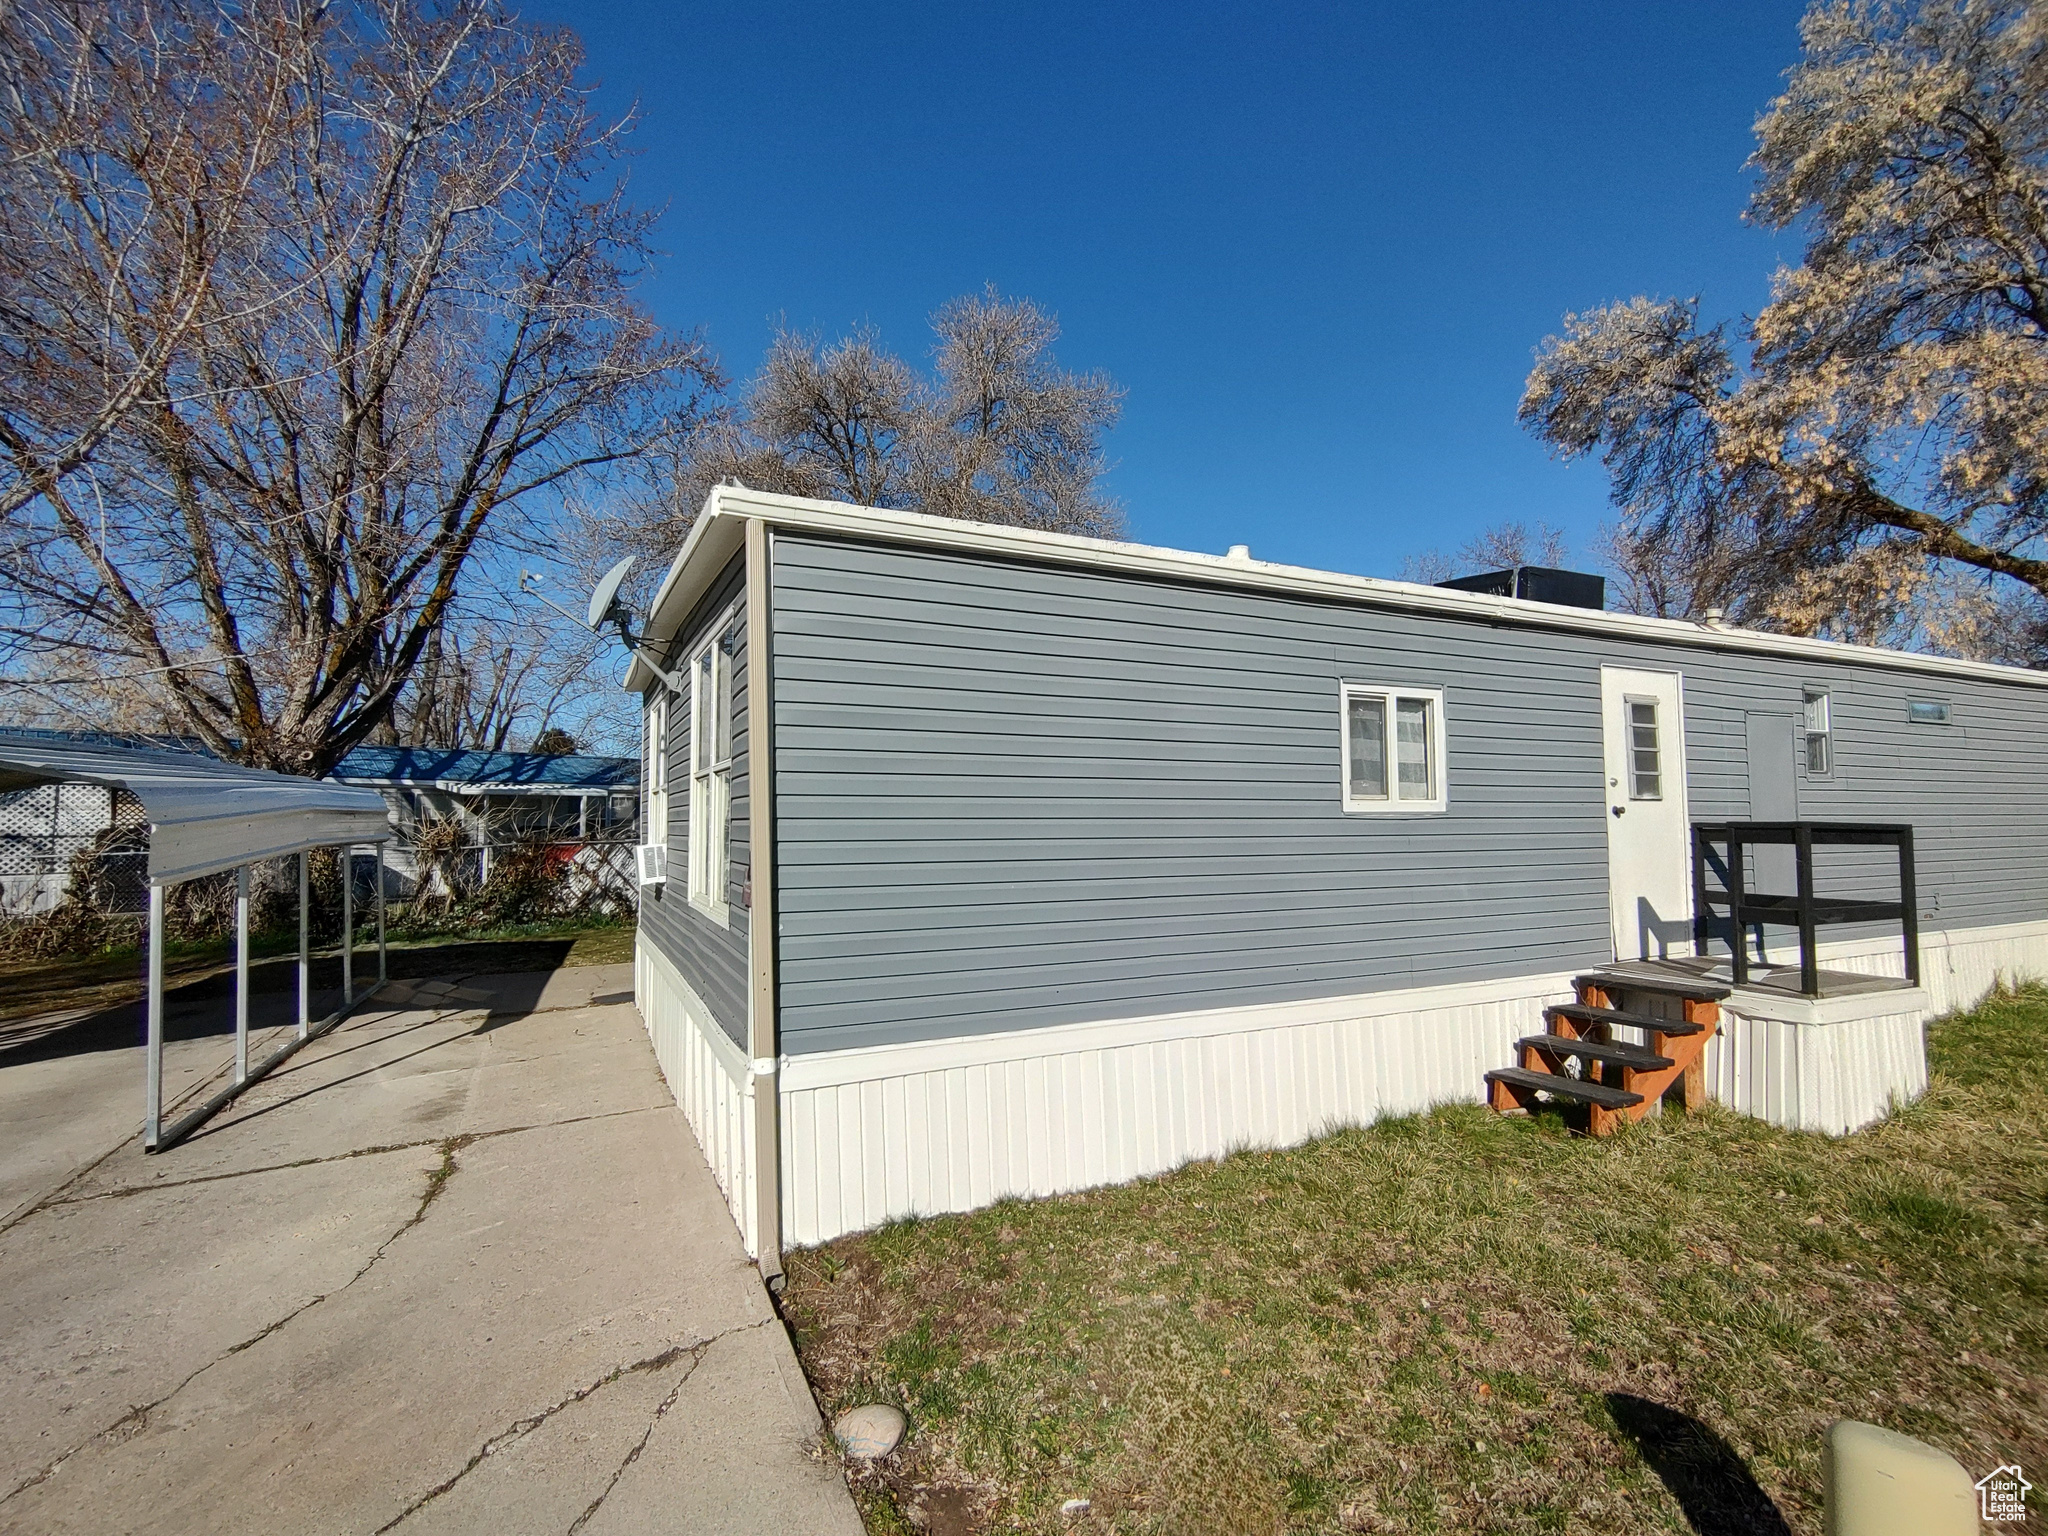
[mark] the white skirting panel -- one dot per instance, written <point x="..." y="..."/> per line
<point x="871" y="1135"/>
<point x="951" y="1125"/>
<point x="708" y="1075"/>
<point x="1835" y="1077"/>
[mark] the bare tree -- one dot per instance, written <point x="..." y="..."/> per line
<point x="429" y="341"/>
<point x="821" y="421"/>
<point x="1005" y="435"/>
<point x="125" y="194"/>
<point x="1892" y="404"/>
<point x="999" y="433"/>
<point x="1499" y="548"/>
<point x="476" y="688"/>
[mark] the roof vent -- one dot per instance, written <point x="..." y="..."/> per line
<point x="1239" y="552"/>
<point x="1538" y="584"/>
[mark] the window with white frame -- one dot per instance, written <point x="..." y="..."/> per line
<point x="1645" y="750"/>
<point x="1393" y="748"/>
<point x="711" y="767"/>
<point x="1820" y="740"/>
<point x="656" y="830"/>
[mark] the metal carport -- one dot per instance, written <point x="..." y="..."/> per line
<point x="206" y="816"/>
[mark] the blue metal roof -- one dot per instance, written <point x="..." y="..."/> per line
<point x="144" y="741"/>
<point x="514" y="770"/>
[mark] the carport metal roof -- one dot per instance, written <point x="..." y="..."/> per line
<point x="204" y="815"/>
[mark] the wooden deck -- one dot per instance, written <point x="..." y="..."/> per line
<point x="1688" y="973"/>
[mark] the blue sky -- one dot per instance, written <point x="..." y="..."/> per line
<point x="1315" y="243"/>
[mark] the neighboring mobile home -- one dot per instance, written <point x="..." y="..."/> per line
<point x="1004" y="863"/>
<point x="568" y="793"/>
<point x="589" y="804"/>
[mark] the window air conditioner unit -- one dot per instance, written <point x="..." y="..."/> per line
<point x="653" y="859"/>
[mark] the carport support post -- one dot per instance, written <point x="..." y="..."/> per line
<point x="153" y="1091"/>
<point x="383" y="966"/>
<point x="348" y="925"/>
<point x="242" y="974"/>
<point x="305" y="957"/>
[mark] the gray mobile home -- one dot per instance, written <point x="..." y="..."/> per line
<point x="1004" y="863"/>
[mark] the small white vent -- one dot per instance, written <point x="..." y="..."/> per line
<point x="653" y="858"/>
<point x="1239" y="552"/>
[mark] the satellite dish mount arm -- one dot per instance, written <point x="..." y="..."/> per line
<point x="608" y="607"/>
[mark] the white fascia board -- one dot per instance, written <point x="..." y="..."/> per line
<point x="720" y="530"/>
<point x="716" y="536"/>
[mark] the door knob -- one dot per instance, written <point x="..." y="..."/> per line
<point x="1620" y="810"/>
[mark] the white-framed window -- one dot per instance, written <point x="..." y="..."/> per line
<point x="656" y="830"/>
<point x="1393" y="748"/>
<point x="1820" y="739"/>
<point x="1645" y="749"/>
<point x="711" y="767"/>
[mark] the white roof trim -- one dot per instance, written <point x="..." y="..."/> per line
<point x="204" y="815"/>
<point x="719" y="532"/>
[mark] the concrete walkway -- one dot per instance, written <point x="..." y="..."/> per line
<point x="459" y="1267"/>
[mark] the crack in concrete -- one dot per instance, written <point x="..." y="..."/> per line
<point x="520" y="1428"/>
<point x="219" y="1073"/>
<point x="128" y="1190"/>
<point x="266" y="1036"/>
<point x="660" y="1411"/>
<point x="136" y="1419"/>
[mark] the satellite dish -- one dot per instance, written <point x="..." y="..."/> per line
<point x="607" y="593"/>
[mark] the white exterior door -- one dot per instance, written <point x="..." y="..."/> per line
<point x="1649" y="867"/>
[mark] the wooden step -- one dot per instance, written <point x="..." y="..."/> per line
<point x="1600" y="1050"/>
<point x="1581" y="1013"/>
<point x="1576" y="1088"/>
<point x="1697" y="990"/>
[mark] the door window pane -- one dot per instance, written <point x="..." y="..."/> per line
<point x="1368" y="749"/>
<point x="1416" y="773"/>
<point x="1645" y="772"/>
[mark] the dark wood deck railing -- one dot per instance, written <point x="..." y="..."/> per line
<point x="1803" y="909"/>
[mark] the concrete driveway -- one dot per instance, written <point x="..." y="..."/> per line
<point x="458" y="1267"/>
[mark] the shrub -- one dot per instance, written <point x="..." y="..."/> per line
<point x="86" y="920"/>
<point x="533" y="878"/>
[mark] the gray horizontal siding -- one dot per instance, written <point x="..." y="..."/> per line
<point x="711" y="956"/>
<point x="1011" y="796"/>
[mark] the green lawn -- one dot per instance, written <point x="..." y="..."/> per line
<point x="1465" y="1322"/>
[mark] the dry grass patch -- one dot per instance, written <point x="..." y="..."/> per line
<point x="1463" y="1322"/>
